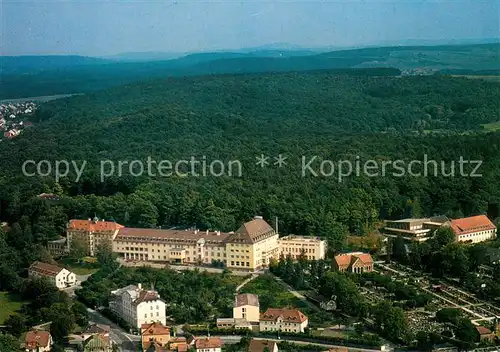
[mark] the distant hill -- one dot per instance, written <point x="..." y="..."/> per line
<point x="36" y="63"/>
<point x="74" y="74"/>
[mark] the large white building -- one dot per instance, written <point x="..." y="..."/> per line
<point x="138" y="306"/>
<point x="313" y="248"/>
<point x="60" y="277"/>
<point x="474" y="229"/>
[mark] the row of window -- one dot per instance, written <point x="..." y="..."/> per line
<point x="242" y="263"/>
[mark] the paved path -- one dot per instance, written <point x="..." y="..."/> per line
<point x="297" y="294"/>
<point x="246" y="282"/>
<point x="126" y="341"/>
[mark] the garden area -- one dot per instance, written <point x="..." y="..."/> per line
<point x="82" y="267"/>
<point x="11" y="303"/>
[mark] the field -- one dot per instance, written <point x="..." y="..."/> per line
<point x="492" y="127"/>
<point x="485" y="77"/>
<point x="79" y="268"/>
<point x="10" y="304"/>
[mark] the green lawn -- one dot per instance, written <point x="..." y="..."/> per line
<point x="79" y="268"/>
<point x="10" y="304"/>
<point x="492" y="127"/>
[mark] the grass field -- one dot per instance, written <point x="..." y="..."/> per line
<point x="10" y="304"/>
<point x="485" y="77"/>
<point x="492" y="127"/>
<point x="79" y="268"/>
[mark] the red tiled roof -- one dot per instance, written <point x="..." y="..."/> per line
<point x="146" y="296"/>
<point x="154" y="346"/>
<point x="46" y="269"/>
<point x="344" y="260"/>
<point x="94" y="226"/>
<point x="155" y="328"/>
<point x="182" y="347"/>
<point x="483" y="331"/>
<point x="260" y="345"/>
<point x="288" y="315"/>
<point x="472" y="224"/>
<point x="252" y="231"/>
<point x="246" y="299"/>
<point x="36" y="339"/>
<point x="208" y="342"/>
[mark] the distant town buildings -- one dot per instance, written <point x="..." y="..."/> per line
<point x="38" y="341"/>
<point x="138" y="306"/>
<point x="285" y="319"/>
<point x="354" y="262"/>
<point x="60" y="277"/>
<point x="12" y="115"/>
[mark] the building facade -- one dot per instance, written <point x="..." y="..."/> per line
<point x="138" y="306"/>
<point x="474" y="229"/>
<point x="246" y="306"/>
<point x="155" y="333"/>
<point x="414" y="229"/>
<point x="288" y="320"/>
<point x="57" y="248"/>
<point x="354" y="262"/>
<point x="208" y="344"/>
<point x="313" y="248"/>
<point x="250" y="248"/>
<point x="90" y="233"/>
<point x="60" y="277"/>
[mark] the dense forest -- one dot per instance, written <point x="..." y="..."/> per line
<point x="238" y="117"/>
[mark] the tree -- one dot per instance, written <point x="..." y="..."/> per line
<point x="78" y="248"/>
<point x="466" y="331"/>
<point x="8" y="343"/>
<point x="16" y="324"/>
<point x="61" y="326"/>
<point x="79" y="310"/>
<point x="390" y="320"/>
<point x="104" y="253"/>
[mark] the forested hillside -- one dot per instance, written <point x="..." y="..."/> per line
<point x="48" y="75"/>
<point x="239" y="117"/>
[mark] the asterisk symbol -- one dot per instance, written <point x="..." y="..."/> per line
<point x="262" y="160"/>
<point x="280" y="160"/>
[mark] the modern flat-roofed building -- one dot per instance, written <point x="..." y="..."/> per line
<point x="414" y="229"/>
<point x="474" y="229"/>
<point x="57" y="248"/>
<point x="60" y="277"/>
<point x="313" y="248"/>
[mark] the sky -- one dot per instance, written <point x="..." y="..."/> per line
<point x="105" y="27"/>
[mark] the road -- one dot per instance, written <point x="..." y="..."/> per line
<point x="232" y="339"/>
<point x="126" y="341"/>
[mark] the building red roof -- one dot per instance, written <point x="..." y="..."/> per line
<point x="208" y="342"/>
<point x="483" y="331"/>
<point x="344" y="260"/>
<point x="155" y="328"/>
<point x="472" y="224"/>
<point x="45" y="269"/>
<point x="36" y="339"/>
<point x="260" y="345"/>
<point x="94" y="226"/>
<point x="288" y="315"/>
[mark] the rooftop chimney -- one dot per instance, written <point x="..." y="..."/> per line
<point x="139" y="286"/>
<point x="257" y="217"/>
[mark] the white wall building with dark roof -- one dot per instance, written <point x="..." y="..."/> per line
<point x="138" y="306"/>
